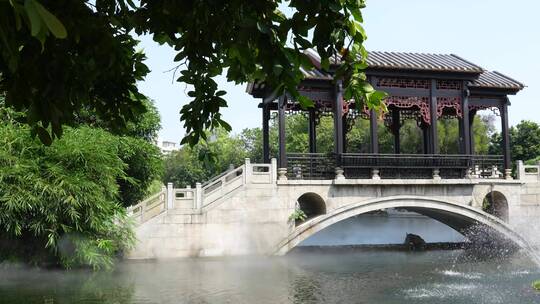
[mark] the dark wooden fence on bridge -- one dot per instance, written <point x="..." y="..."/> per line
<point x="392" y="166"/>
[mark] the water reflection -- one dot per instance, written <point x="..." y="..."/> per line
<point x="306" y="289"/>
<point x="348" y="277"/>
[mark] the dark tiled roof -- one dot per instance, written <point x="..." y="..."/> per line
<point x="496" y="80"/>
<point x="421" y="62"/>
<point x="316" y="74"/>
<point x="308" y="74"/>
<point x="418" y="62"/>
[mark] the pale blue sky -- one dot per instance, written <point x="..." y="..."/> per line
<point x="495" y="34"/>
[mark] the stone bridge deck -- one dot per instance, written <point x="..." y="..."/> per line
<point x="246" y="211"/>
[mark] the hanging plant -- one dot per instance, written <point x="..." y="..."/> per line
<point x="298" y="215"/>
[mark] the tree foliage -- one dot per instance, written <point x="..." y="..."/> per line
<point x="65" y="203"/>
<point x="144" y="126"/>
<point x="524" y="141"/>
<point x="186" y="167"/>
<point x="143" y="166"/>
<point x="60" y="57"/>
<point x="136" y="149"/>
<point x="61" y="203"/>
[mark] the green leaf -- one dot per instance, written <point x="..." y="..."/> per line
<point x="366" y="87"/>
<point x="55" y="26"/>
<point x="305" y="61"/>
<point x="225" y="125"/>
<point x="220" y="93"/>
<point x="356" y="14"/>
<point x="325" y="64"/>
<point x="305" y="102"/>
<point x="377" y="97"/>
<point x="278" y="68"/>
<point x="352" y="28"/>
<point x="263" y="28"/>
<point x="334" y="6"/>
<point x="33" y="15"/>
<point x="279" y="15"/>
<point x="360" y="29"/>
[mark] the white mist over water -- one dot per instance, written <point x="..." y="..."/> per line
<point x="348" y="277"/>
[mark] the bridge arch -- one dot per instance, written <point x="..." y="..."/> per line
<point x="312" y="205"/>
<point x="459" y="217"/>
<point x="495" y="203"/>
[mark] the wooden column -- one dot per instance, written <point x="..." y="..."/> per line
<point x="373" y="127"/>
<point x="345" y="128"/>
<point x="282" y="162"/>
<point x="433" y="136"/>
<point x="338" y="119"/>
<point x="465" y="134"/>
<point x="505" y="135"/>
<point x="425" y="137"/>
<point x="266" y="133"/>
<point x="471" y="130"/>
<point x="312" y="130"/>
<point x="396" y="125"/>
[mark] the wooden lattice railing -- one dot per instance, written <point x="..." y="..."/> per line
<point x="393" y="166"/>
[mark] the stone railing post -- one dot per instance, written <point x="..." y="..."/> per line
<point x="508" y="174"/>
<point x="520" y="170"/>
<point x="436" y="174"/>
<point x="339" y="174"/>
<point x="273" y="170"/>
<point x="198" y="196"/>
<point x="375" y="174"/>
<point x="282" y="173"/>
<point x="189" y="194"/>
<point x="247" y="170"/>
<point x="170" y="196"/>
<point x="538" y="170"/>
<point x="469" y="173"/>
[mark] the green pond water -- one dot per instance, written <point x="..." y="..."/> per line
<point x="302" y="277"/>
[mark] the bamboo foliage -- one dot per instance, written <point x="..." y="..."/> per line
<point x="62" y="198"/>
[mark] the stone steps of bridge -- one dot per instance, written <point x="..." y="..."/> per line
<point x="183" y="219"/>
<point x="182" y="211"/>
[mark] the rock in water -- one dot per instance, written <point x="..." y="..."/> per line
<point x="415" y="242"/>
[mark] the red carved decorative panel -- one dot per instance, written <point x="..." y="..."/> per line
<point x="449" y="103"/>
<point x="419" y="103"/>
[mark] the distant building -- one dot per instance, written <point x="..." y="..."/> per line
<point x="167" y="147"/>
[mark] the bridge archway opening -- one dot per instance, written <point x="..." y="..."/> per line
<point x="496" y="204"/>
<point x="480" y="229"/>
<point x="312" y="205"/>
<point x="385" y="227"/>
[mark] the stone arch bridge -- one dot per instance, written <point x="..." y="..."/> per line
<point x="246" y="211"/>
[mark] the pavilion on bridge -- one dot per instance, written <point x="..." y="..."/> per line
<point x="421" y="87"/>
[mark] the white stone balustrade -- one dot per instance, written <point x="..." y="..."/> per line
<point x="528" y="173"/>
<point x="150" y="207"/>
<point x="193" y="200"/>
<point x="196" y="200"/>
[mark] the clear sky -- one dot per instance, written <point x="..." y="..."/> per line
<point x="498" y="35"/>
